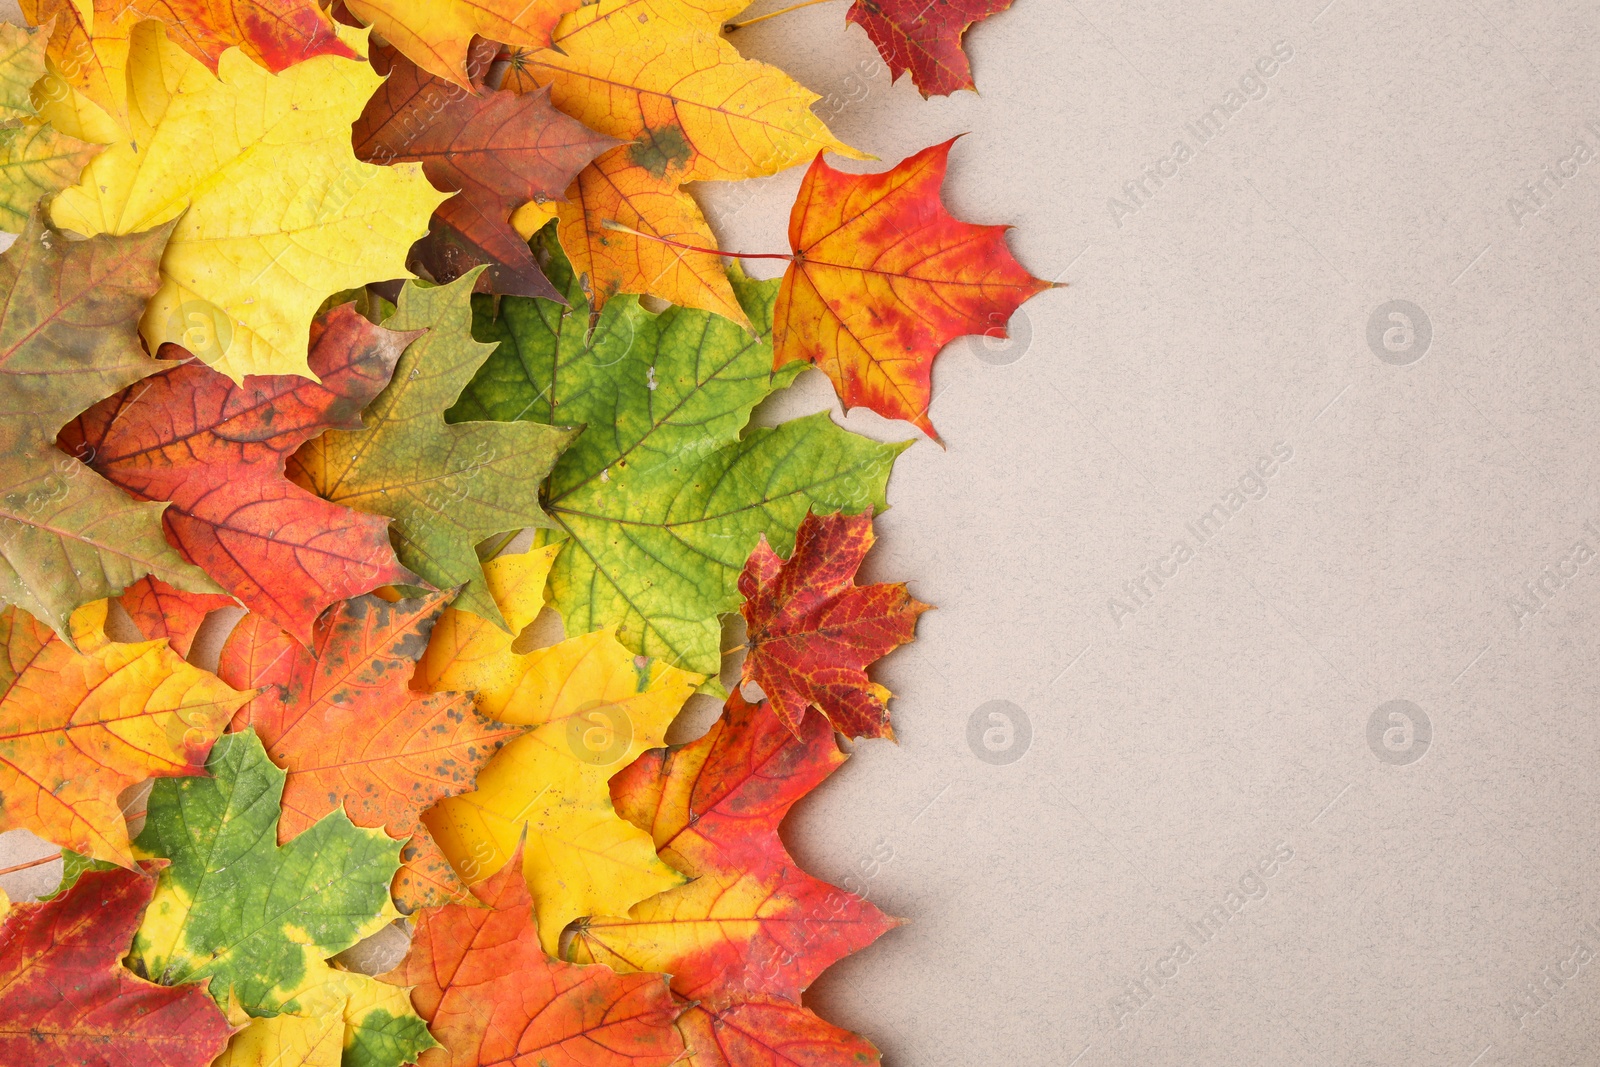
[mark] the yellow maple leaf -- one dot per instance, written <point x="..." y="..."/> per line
<point x="594" y="707"/>
<point x="77" y="728"/>
<point x="276" y="211"/>
<point x="286" y="1041"/>
<point x="658" y="74"/>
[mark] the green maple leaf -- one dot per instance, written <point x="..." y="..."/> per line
<point x="69" y="323"/>
<point x="256" y="920"/>
<point x="663" y="496"/>
<point x="35" y="160"/>
<point x="446" y="487"/>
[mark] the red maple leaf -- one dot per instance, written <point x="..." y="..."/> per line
<point x="341" y="718"/>
<point x="496" y="150"/>
<point x="159" y="610"/>
<point x="491" y="996"/>
<point x="751" y="923"/>
<point x="924" y="37"/>
<point x="66" y="998"/>
<point x="813" y="631"/>
<point x="883" y="277"/>
<point x="216" y="450"/>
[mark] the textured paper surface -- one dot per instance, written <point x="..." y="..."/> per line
<point x="1210" y="836"/>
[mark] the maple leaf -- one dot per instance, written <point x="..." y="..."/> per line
<point x="662" y="498"/>
<point x="496" y="150"/>
<point x="813" y="631"/>
<point x="216" y="451"/>
<point x="657" y="74"/>
<point x="592" y="706"/>
<point x="255" y="920"/>
<point x="287" y="1041"/>
<point x="767" y="1031"/>
<point x="436" y="34"/>
<point x="22" y="63"/>
<point x="275" y="33"/>
<point x="478" y="975"/>
<point x="883" y="277"/>
<point x="66" y="998"/>
<point x="924" y="37"/>
<point x="88" y="50"/>
<point x="35" y="160"/>
<point x="161" y="611"/>
<point x="77" y="728"/>
<point x="446" y="487"/>
<point x="87" y="57"/>
<point x="67" y="536"/>
<point x="339" y="716"/>
<point x="367" y="1023"/>
<point x="274" y="211"/>
<point x="614" y="189"/>
<point x="751" y="922"/>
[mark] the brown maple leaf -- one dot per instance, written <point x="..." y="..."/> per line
<point x="497" y="150"/>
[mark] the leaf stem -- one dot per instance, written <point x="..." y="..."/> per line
<point x="31" y="863"/>
<point x="620" y="228"/>
<point x="729" y="27"/>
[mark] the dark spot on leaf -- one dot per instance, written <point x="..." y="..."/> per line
<point x="658" y="151"/>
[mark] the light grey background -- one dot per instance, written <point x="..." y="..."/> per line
<point x="1181" y="741"/>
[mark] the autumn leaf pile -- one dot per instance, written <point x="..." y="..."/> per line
<point x="391" y="327"/>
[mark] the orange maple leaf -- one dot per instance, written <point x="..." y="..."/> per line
<point x="491" y="995"/>
<point x="77" y="728"/>
<point x="341" y="718"/>
<point x="883" y="277"/>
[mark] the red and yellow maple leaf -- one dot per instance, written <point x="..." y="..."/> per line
<point x="496" y="150"/>
<point x="65" y="996"/>
<point x="88" y="54"/>
<point x="216" y="451"/>
<point x="341" y="718"/>
<point x="275" y="33"/>
<point x="88" y="49"/>
<point x="883" y="277"/>
<point x="77" y="728"/>
<point x="766" y="1031"/>
<point x="924" y="37"/>
<point x="751" y="922"/>
<point x="491" y="996"/>
<point x="159" y="610"/>
<point x="437" y="35"/>
<point x="813" y="630"/>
